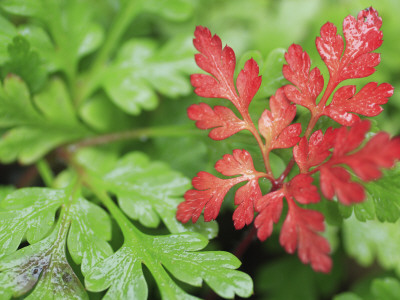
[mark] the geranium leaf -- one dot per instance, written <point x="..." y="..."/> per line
<point x="141" y="69"/>
<point x="176" y="253"/>
<point x="36" y="126"/>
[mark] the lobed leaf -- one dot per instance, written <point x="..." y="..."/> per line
<point x="221" y="63"/>
<point x="210" y="191"/>
<point x="66" y="33"/>
<point x="122" y="272"/>
<point x="366" y="102"/>
<point x="372" y="241"/>
<point x="307" y="84"/>
<point x="141" y="69"/>
<point x="25" y="63"/>
<point x="223" y="120"/>
<point x="299" y="231"/>
<point x="146" y="191"/>
<point x="362" y="36"/>
<point x="274" y="125"/>
<point x="35" y="126"/>
<point x="43" y="267"/>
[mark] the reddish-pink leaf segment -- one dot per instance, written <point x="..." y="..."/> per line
<point x="343" y="158"/>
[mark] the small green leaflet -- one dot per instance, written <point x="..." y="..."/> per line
<point x="383" y="201"/>
<point x="146" y="191"/>
<point x="141" y="70"/>
<point x="61" y="18"/>
<point x="25" y="63"/>
<point x="36" y="125"/>
<point x="82" y="226"/>
<point x="20" y="271"/>
<point x="370" y="240"/>
<point x="122" y="272"/>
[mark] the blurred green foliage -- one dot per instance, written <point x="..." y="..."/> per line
<point x="60" y="52"/>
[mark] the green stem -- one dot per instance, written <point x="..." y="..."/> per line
<point x="141" y="133"/>
<point x="125" y="17"/>
<point x="45" y="172"/>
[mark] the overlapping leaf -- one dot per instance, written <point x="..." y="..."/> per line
<point x="379" y="152"/>
<point x="25" y="63"/>
<point x="210" y="190"/>
<point x="307" y="84"/>
<point x="42" y="266"/>
<point x="30" y="212"/>
<point x="372" y="241"/>
<point x="141" y="69"/>
<point x="146" y="191"/>
<point x="122" y="272"/>
<point x="60" y="17"/>
<point x="222" y="119"/>
<point x="274" y="125"/>
<point x="301" y="226"/>
<point x="221" y="63"/>
<point x="37" y="125"/>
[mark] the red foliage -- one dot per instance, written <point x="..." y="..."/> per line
<point x="335" y="154"/>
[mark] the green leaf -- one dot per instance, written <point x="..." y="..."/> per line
<point x="25" y="63"/>
<point x="382" y="193"/>
<point x="43" y="264"/>
<point x="304" y="283"/>
<point x="7" y="32"/>
<point x="21" y="216"/>
<point x="271" y="72"/>
<point x="70" y="25"/>
<point x="175" y="10"/>
<point x="386" y="289"/>
<point x="36" y="126"/>
<point x="100" y="113"/>
<point x="90" y="229"/>
<point x="4" y="191"/>
<point x="347" y="296"/>
<point x="30" y="213"/>
<point x="141" y="70"/>
<point x="147" y="191"/>
<point x="122" y="272"/>
<point x="370" y="240"/>
<point x="381" y="202"/>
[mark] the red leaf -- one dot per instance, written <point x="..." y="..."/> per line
<point x="210" y="191"/>
<point x="366" y="102"/>
<point x="221" y="63"/>
<point x="240" y="163"/>
<point x="315" y="151"/>
<point x="288" y="137"/>
<point x="379" y="152"/>
<point x="336" y="181"/>
<point x="362" y="36"/>
<point x="270" y="209"/>
<point x="350" y="139"/>
<point x="302" y="190"/>
<point x="208" y="194"/>
<point x="245" y="198"/>
<point x="300" y="231"/>
<point x="221" y="117"/>
<point x="274" y="125"/>
<point x="248" y="82"/>
<point x="308" y="85"/>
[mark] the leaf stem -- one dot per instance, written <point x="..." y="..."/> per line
<point x="140" y="133"/>
<point x="45" y="172"/>
<point x="90" y="82"/>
